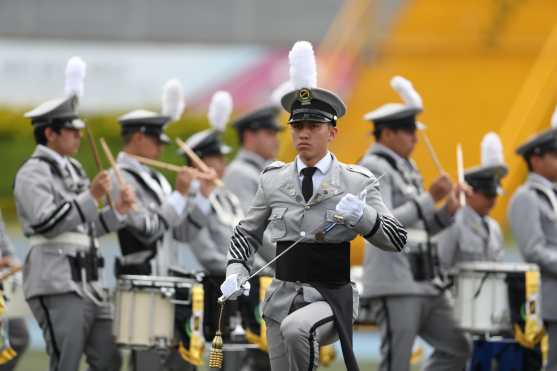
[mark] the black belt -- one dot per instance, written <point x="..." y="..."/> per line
<point x="326" y="263"/>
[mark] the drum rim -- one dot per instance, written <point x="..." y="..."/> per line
<point x="496" y="267"/>
<point x="163" y="281"/>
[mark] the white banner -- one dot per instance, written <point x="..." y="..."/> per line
<point x="119" y="75"/>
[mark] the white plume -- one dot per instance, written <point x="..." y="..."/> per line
<point x="220" y="110"/>
<point x="554" y="119"/>
<point x="492" y="150"/>
<point x="407" y="92"/>
<point x="303" y="68"/>
<point x="75" y="74"/>
<point x="281" y="90"/>
<point x="173" y="101"/>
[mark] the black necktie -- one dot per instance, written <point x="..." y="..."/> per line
<point x="307" y="182"/>
<point x="486" y="225"/>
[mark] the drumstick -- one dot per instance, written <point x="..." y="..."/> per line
<point x="119" y="178"/>
<point x="460" y="171"/>
<point x="432" y="153"/>
<point x="97" y="158"/>
<point x="159" y="164"/>
<point x="196" y="160"/>
<point x="13" y="270"/>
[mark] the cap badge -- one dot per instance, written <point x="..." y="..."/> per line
<point x="304" y="96"/>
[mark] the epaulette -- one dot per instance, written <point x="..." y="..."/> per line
<point x="360" y="170"/>
<point x="274" y="165"/>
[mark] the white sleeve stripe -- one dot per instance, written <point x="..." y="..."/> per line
<point x="54" y="219"/>
<point x="240" y="243"/>
<point x="393" y="236"/>
<point x="241" y="251"/>
<point x="400" y="233"/>
<point x="392" y="239"/>
<point x="234" y="252"/>
<point x="392" y="221"/>
<point x="243" y="242"/>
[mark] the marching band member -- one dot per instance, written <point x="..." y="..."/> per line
<point x="159" y="207"/>
<point x="57" y="206"/>
<point x="406" y="300"/>
<point x="209" y="231"/>
<point x="474" y="236"/>
<point x="322" y="204"/>
<point x="532" y="217"/>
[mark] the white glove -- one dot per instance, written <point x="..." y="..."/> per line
<point x="351" y="208"/>
<point x="231" y="288"/>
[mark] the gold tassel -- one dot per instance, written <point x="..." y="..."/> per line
<point x="327" y="355"/>
<point x="216" y="355"/>
<point x="7" y="355"/>
<point x="417" y="355"/>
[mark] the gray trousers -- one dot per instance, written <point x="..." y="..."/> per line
<point x="402" y="318"/>
<point x="73" y="326"/>
<point x="18" y="336"/>
<point x="551" y="329"/>
<point x="294" y="343"/>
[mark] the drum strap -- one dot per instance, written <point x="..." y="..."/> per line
<point x="482" y="282"/>
<point x="547" y="194"/>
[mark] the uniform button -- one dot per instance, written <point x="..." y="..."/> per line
<point x="299" y="198"/>
<point x="306" y="207"/>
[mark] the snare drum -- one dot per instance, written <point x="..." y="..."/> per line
<point x="482" y="291"/>
<point x="144" y="309"/>
<point x="16" y="303"/>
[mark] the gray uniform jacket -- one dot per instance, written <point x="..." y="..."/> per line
<point x="155" y="213"/>
<point x="280" y="205"/>
<point x="532" y="216"/>
<point x="55" y="209"/>
<point x="470" y="238"/>
<point x="242" y="179"/>
<point x="402" y="191"/>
